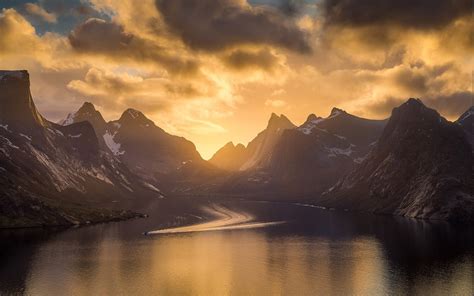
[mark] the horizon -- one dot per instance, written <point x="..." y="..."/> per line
<point x="236" y="147"/>
<point x="211" y="88"/>
<point x="255" y="132"/>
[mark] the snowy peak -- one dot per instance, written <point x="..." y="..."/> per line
<point x="310" y="123"/>
<point x="17" y="106"/>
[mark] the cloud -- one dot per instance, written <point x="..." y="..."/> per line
<point x="214" y="25"/>
<point x="451" y="105"/>
<point x="245" y="60"/>
<point x="110" y="40"/>
<point x="275" y="103"/>
<point x="35" y="9"/>
<point x="416" y="14"/>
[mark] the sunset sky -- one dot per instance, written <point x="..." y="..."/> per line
<point x="214" y="70"/>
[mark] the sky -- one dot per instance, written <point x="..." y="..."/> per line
<point x="213" y="71"/>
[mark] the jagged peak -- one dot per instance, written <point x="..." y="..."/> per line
<point x="230" y="144"/>
<point x="336" y="111"/>
<point x="132" y="115"/>
<point x="87" y="106"/>
<point x="312" y="117"/>
<point x="279" y="121"/>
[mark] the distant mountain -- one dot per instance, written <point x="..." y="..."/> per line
<point x="467" y="122"/>
<point x="145" y="148"/>
<point x="321" y="149"/>
<point x="258" y="152"/>
<point x="230" y="157"/>
<point x="52" y="174"/>
<point x="422" y="166"/>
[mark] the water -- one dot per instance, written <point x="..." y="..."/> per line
<point x="308" y="252"/>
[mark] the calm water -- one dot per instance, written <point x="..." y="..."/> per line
<point x="314" y="252"/>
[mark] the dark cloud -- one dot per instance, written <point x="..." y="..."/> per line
<point x="100" y="36"/>
<point x="242" y="60"/>
<point x="291" y="7"/>
<point x="418" y="14"/>
<point x="421" y="79"/>
<point x="214" y="25"/>
<point x="450" y="105"/>
<point x="96" y="36"/>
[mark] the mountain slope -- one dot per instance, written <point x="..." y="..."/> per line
<point x="420" y="167"/>
<point x="467" y="122"/>
<point x="142" y="146"/>
<point x="299" y="156"/>
<point x="55" y="175"/>
<point x="259" y="150"/>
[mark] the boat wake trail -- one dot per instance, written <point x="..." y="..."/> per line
<point x="225" y="219"/>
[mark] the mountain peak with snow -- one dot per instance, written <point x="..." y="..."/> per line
<point x="87" y="112"/>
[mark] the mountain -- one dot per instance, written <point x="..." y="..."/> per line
<point x="467" y="122"/>
<point x="258" y="152"/>
<point x="145" y="148"/>
<point x="52" y="174"/>
<point x="230" y="157"/>
<point x="321" y="149"/>
<point x="420" y="167"/>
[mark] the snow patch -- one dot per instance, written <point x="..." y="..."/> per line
<point x="69" y="119"/>
<point x="133" y="113"/>
<point x="153" y="188"/>
<point x="309" y="126"/>
<point x="113" y="146"/>
<point x="5" y="126"/>
<point x="9" y="143"/>
<point x="25" y="136"/>
<point x="338" y="151"/>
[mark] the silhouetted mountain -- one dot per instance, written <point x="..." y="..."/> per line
<point x="145" y="148"/>
<point x="420" y="167"/>
<point x="299" y="156"/>
<point x="259" y="150"/>
<point x="52" y="174"/>
<point x="467" y="122"/>
<point x="230" y="157"/>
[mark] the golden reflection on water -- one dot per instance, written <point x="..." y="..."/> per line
<point x="243" y="262"/>
<point x="218" y="263"/>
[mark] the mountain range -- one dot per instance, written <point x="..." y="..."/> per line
<point x="84" y="169"/>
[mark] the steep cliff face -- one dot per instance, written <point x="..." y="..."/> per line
<point x="146" y="149"/>
<point x="466" y="121"/>
<point x="422" y="166"/>
<point x="55" y="175"/>
<point x="260" y="149"/>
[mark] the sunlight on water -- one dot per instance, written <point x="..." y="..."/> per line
<point x="329" y="254"/>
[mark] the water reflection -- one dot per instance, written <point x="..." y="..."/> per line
<point x="322" y="253"/>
